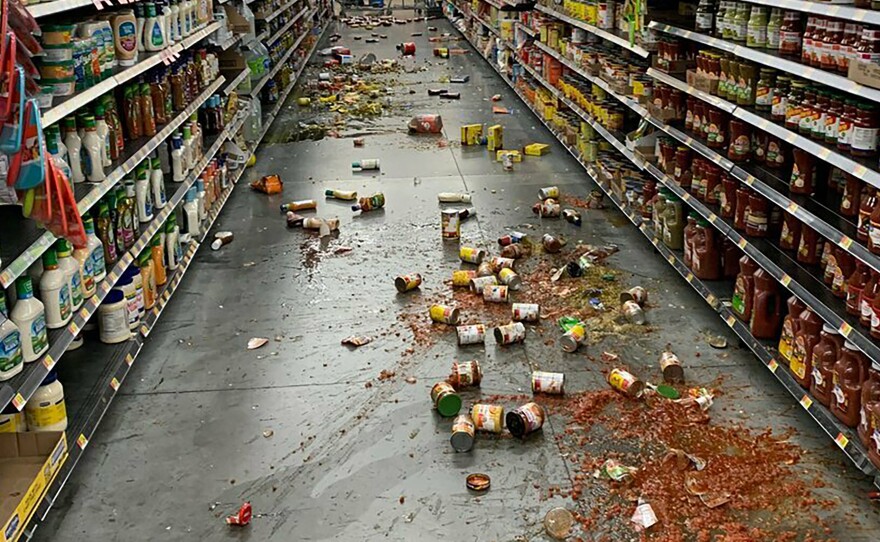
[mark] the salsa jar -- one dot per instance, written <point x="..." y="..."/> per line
<point x="764" y="90"/>
<point x="791" y="233"/>
<point x="774" y="156"/>
<point x="803" y="172"/>
<point x="845" y="124"/>
<point x="832" y="118"/>
<point x="790" y="34"/>
<point x="779" y="100"/>
<point x="739" y="149"/>
<point x="849" y="202"/>
<point x="727" y="196"/>
<point x="717" y="128"/>
<point x="793" y="105"/>
<point x="866" y="123"/>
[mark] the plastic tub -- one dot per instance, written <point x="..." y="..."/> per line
<point x="57" y="34"/>
<point x="57" y="71"/>
<point x="58" y="87"/>
<point x="58" y="53"/>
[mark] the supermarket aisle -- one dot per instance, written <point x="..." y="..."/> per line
<point x="307" y="430"/>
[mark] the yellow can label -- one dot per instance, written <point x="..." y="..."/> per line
<point x="462" y="278"/>
<point x="13" y="423"/>
<point x="443" y="313"/>
<point x="621" y="380"/>
<point x="470" y="255"/>
<point x="488" y="417"/>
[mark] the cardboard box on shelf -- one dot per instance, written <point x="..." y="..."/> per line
<point x="865" y="73"/>
<point x="702" y="82"/>
<point x="28" y="464"/>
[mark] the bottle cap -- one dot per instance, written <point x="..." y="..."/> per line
<point x="63" y="248"/>
<point x="89" y="224"/>
<point x="50" y="259"/>
<point x="24" y="287"/>
<point x="115" y="296"/>
<point x="51" y="377"/>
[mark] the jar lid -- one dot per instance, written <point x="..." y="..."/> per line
<point x="849" y="346"/>
<point x="828" y="329"/>
<point x="114" y="296"/>
<point x="51" y="377"/>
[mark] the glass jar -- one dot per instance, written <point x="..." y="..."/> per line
<point x="764" y="90"/>
<point x="832" y="118"/>
<point x="741" y="22"/>
<point x="717" y="128"/>
<point x="831" y="45"/>
<point x="866" y="122"/>
<point x="818" y="48"/>
<point x="730" y="20"/>
<point x="699" y="117"/>
<point x="820" y="115"/>
<point x="732" y="80"/>
<point x="803" y="171"/>
<point x="774" y="157"/>
<point x="790" y="34"/>
<point x="748" y="79"/>
<point x="705" y="20"/>
<point x="807" y="44"/>
<point x="780" y="98"/>
<point x="851" y="33"/>
<point x="689" y="113"/>
<point x="756" y="31"/>
<point x="845" y="124"/>
<point x="868" y="47"/>
<point x="807" y="111"/>
<point x="759" y="145"/>
<point x="849" y="202"/>
<point x="723" y="76"/>
<point x="793" y="105"/>
<point x="739" y="149"/>
<point x="773" y="29"/>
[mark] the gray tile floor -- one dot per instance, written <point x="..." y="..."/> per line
<point x="347" y="462"/>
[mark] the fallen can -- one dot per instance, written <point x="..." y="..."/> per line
<point x="478" y="482"/>
<point x="573" y="337"/>
<point x="243" y="516"/>
<point x="496" y="293"/>
<point x="552" y="243"/>
<point x="478" y="283"/>
<point x="303" y="101"/>
<point x="444" y="314"/>
<point x="511" y="238"/>
<point x="425" y="123"/>
<point x="509" y="277"/>
<point x="453" y="197"/>
<point x="673" y="373"/>
<point x="525" y="312"/>
<point x="376" y="201"/>
<point x="514" y="332"/>
<point x="462" y="278"/>
<point x="626" y="383"/>
<point x="365" y="164"/>
<point x="346" y="195"/>
<point x="463" y="430"/>
<point x="550" y="383"/>
<point x="485" y="269"/>
<point x="450" y="224"/>
<point x="489" y="418"/>
<point x="471" y="255"/>
<point x="633" y="312"/>
<point x="406" y="283"/>
<point x="465" y="374"/>
<point x="221" y="238"/>
<point x="572" y="216"/>
<point x="446" y="399"/>
<point x="471" y="334"/>
<point x="549" y="192"/>
<point x="299" y="205"/>
<point x="513" y="251"/>
<point x="547" y="208"/>
<point x="498" y="263"/>
<point x="406" y="49"/>
<point x="525" y="419"/>
<point x="467" y="212"/>
<point x="636" y="293"/>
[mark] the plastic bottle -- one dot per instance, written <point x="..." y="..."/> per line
<point x="125" y="31"/>
<point x="248" y="15"/>
<point x="870" y="400"/>
<point x="93" y="151"/>
<point x="148" y="276"/>
<point x="11" y="420"/>
<point x="766" y="307"/>
<point x="157" y="253"/>
<point x="106" y="233"/>
<point x="743" y="289"/>
<point x="46" y="410"/>
<point x="173" y="252"/>
<point x="805" y="340"/>
<point x="30" y="318"/>
<point x="188" y="155"/>
<point x="187" y="6"/>
<point x="74" y="150"/>
<point x="177" y="163"/>
<point x="128" y="217"/>
<point x="163" y="11"/>
<point x="103" y="131"/>
<point x="140" y="20"/>
<point x="55" y="292"/>
<point x="95" y="250"/>
<point x="10" y="343"/>
<point x="72" y="272"/>
<point x="84" y="259"/>
<point x="157" y="184"/>
<point x="126" y="286"/>
<point x="200" y="198"/>
<point x="847" y="377"/>
<point x="54" y="152"/>
<point x="113" y="318"/>
<point x="143" y="197"/>
<point x="148" y="111"/>
<point x="191" y="224"/>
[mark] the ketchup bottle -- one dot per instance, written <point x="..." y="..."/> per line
<point x="846" y="385"/>
<point x="825" y="355"/>
<point x="744" y="289"/>
<point x="791" y="233"/>
<point x="856" y="282"/>
<point x="866" y="298"/>
<point x="807" y="337"/>
<point x="767" y="306"/>
<point x="790" y="327"/>
<point x="870" y="401"/>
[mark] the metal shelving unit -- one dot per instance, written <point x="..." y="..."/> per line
<point x="604" y="34"/>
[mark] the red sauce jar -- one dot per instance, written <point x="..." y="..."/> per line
<point x="831" y="45"/>
<point x="808" y="248"/>
<point x="766" y="307"/>
<point x="681" y="173"/>
<point x="667" y="155"/>
<point x="742" y="208"/>
<point x="649" y="190"/>
<point x="759" y="146"/>
<point x="845" y="124"/>
<point x="819" y="28"/>
<point x="739" y="149"/>
<point x="698" y="170"/>
<point x="731" y="256"/>
<point x="791" y="233"/>
<point x="727" y="196"/>
<point x="717" y="128"/>
<point x="849" y="202"/>
<point x="808" y="112"/>
<point x="711" y="182"/>
<point x="699" y="117"/>
<point x="807" y="48"/>
<point x="689" y="113"/>
<point x="855" y="284"/>
<point x="790" y="34"/>
<point x="774" y="156"/>
<point x="874" y="231"/>
<point x="803" y="172"/>
<point x="851" y="33"/>
<point x="866" y="125"/>
<point x="866" y="207"/>
<point x="758" y="217"/>
<point x="846" y="264"/>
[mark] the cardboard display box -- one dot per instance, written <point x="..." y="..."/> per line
<point x="28" y="464"/>
<point x="865" y="73"/>
<point x="702" y="82"/>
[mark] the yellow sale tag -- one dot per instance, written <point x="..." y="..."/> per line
<point x="730" y="320"/>
<point x="689" y="277"/>
<point x="806" y="402"/>
<point x="772" y="365"/>
<point x="712" y="217"/>
<point x="82" y="441"/>
<point x="841" y="441"/>
<point x="786" y="280"/>
<point x="73" y="328"/>
<point x="129" y="359"/>
<point x="145" y="330"/>
<point x="845" y="242"/>
<point x="114" y="383"/>
<point x="845" y="329"/>
<point x="792" y="207"/>
<point x="48" y="362"/>
<point x="749" y="180"/>
<point x="671" y="259"/>
<point x="742" y="243"/>
<point x="84" y="313"/>
<point x="18" y="402"/>
<point x="686" y="196"/>
<point x="711" y="299"/>
<point x="860" y="171"/>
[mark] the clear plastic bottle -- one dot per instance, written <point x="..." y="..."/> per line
<point x="55" y="292"/>
<point x="178" y="171"/>
<point x="200" y="198"/>
<point x="29" y="316"/>
<point x="11" y="360"/>
<point x="46" y="410"/>
<point x="188" y="148"/>
<point x="84" y="258"/>
<point x="191" y="224"/>
<point x="72" y="272"/>
<point x="173" y="252"/>
<point x="248" y="15"/>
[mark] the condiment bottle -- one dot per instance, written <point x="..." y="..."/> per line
<point x="866" y="298"/>
<point x="757" y="219"/>
<point x="767" y="306"/>
<point x="103" y="131"/>
<point x="154" y="30"/>
<point x="74" y="150"/>
<point x="790" y="327"/>
<point x="825" y="354"/>
<point x="743" y="289"/>
<point x="157" y="253"/>
<point x="55" y="292"/>
<point x="860" y="278"/>
<point x="850" y="201"/>
<point x="739" y="149"/>
<point x="831" y="44"/>
<point x="818" y="45"/>
<point x="673" y="223"/>
<point x="143" y="195"/>
<point x="774" y="24"/>
<point x="106" y="232"/>
<point x="791" y="233"/>
<point x="805" y="339"/>
<point x="802" y="172"/>
<point x="45" y="410"/>
<point x="93" y="151"/>
<point x="10" y="343"/>
<point x="730" y="258"/>
<point x="790" y="34"/>
<point x="28" y="315"/>
<point x="846" y="389"/>
<point x="148" y="112"/>
<point x="756" y="32"/>
<point x="148" y="276"/>
<point x="845" y="124"/>
<point x="870" y="400"/>
<point x="128" y="217"/>
<point x="808" y="248"/>
<point x="845" y="264"/>
<point x="707" y="253"/>
<point x="72" y="272"/>
<point x="689" y="231"/>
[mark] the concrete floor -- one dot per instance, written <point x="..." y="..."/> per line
<point x="347" y="462"/>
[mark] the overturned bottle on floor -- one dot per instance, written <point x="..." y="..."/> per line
<point x="364" y="205"/>
<point x="425" y="124"/>
<point x="299" y="205"/>
<point x="345" y="195"/>
<point x="548" y="208"/>
<point x="590" y="257"/>
<point x="365" y="164"/>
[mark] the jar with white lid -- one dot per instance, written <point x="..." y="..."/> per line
<point x="129" y="293"/>
<point x="45" y="410"/>
<point x="113" y="320"/>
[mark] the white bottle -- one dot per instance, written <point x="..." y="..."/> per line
<point x="180" y="14"/>
<point x="84" y="257"/>
<point x="188" y="162"/>
<point x="55" y="292"/>
<point x="157" y="184"/>
<point x="103" y="132"/>
<point x="93" y="151"/>
<point x="138" y="279"/>
<point x="30" y="317"/>
<point x="113" y="318"/>
<point x="200" y="191"/>
<point x="126" y="286"/>
<point x="96" y="251"/>
<point x="142" y="196"/>
<point x="154" y="30"/>
<point x="187" y="7"/>
<point x="163" y="11"/>
<point x="191" y="214"/>
<point x="10" y="343"/>
<point x="71" y="270"/>
<point x="172" y="243"/>
<point x="57" y="159"/>
<point x="45" y="410"/>
<point x="74" y="150"/>
<point x="140" y="19"/>
<point x="174" y="21"/>
<point x="178" y="173"/>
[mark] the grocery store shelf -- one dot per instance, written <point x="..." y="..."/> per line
<point x="271" y="17"/>
<point x="237" y="80"/>
<point x="255" y="90"/>
<point x="48" y="8"/>
<point x="281" y="31"/>
<point x="844" y="437"/>
<point x="235" y="38"/>
<point x="19" y="389"/>
<point x="494" y="3"/>
<point x="714" y="101"/>
<point x="772" y="60"/>
<point x="604" y="34"/>
<point x="825" y="9"/>
<point x="134" y="156"/>
<point x="71" y="103"/>
<point x="531" y="32"/>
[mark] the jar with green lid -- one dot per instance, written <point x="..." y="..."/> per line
<point x="807" y="111"/>
<point x="773" y="27"/>
<point x="732" y="80"/>
<point x="780" y="98"/>
<point x="729" y="21"/>
<point x="748" y="80"/>
<point x="756" y="32"/>
<point x="741" y="22"/>
<point x="793" y="105"/>
<point x="764" y="90"/>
